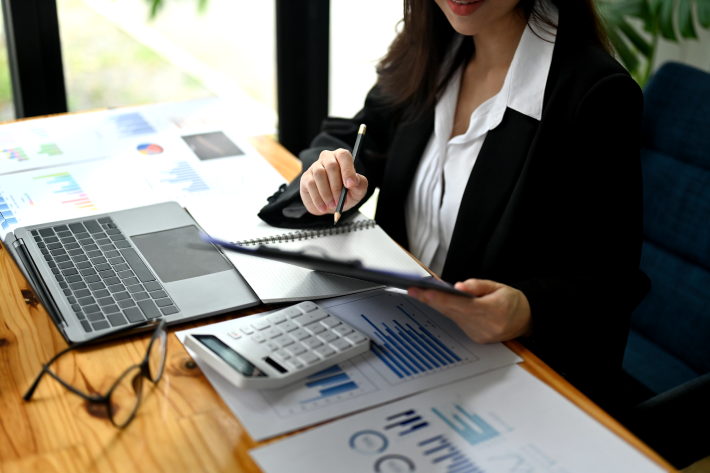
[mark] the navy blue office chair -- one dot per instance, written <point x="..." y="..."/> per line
<point x="668" y="350"/>
<point x="669" y="343"/>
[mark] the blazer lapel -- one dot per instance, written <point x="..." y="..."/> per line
<point x="486" y="196"/>
<point x="404" y="155"/>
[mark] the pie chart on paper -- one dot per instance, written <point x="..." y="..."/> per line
<point x="149" y="149"/>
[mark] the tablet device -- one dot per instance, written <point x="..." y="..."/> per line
<point x="351" y="268"/>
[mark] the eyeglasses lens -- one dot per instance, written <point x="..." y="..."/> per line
<point x="126" y="396"/>
<point x="156" y="357"/>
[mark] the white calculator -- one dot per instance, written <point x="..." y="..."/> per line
<point x="273" y="351"/>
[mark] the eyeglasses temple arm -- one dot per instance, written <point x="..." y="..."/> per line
<point x="30" y="392"/>
<point x="45" y="369"/>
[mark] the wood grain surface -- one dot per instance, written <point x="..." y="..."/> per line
<point x="181" y="425"/>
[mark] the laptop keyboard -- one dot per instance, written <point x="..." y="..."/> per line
<point x="103" y="277"/>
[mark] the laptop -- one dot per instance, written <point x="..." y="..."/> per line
<point x="98" y="273"/>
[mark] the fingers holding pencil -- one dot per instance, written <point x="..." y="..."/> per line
<point x="340" y="207"/>
<point x="322" y="183"/>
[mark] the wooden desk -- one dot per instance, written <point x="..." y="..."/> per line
<point x="182" y="424"/>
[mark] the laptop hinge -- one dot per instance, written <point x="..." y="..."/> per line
<point x="38" y="285"/>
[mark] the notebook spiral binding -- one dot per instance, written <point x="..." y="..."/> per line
<point x="306" y="234"/>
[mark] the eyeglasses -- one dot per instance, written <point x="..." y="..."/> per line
<point x="123" y="398"/>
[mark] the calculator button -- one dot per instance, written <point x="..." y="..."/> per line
<point x="258" y="338"/>
<point x="280" y="356"/>
<point x="315" y="329"/>
<point x="356" y="338"/>
<point x="325" y="352"/>
<point x="300" y="334"/>
<point x="340" y="344"/>
<point x="309" y="358"/>
<point x="342" y="330"/>
<point x="271" y="346"/>
<point x="306" y="307"/>
<point x="291" y="312"/>
<point x="311" y="317"/>
<point x="295" y="350"/>
<point x="288" y="326"/>
<point x="272" y="332"/>
<point x="294" y="364"/>
<point x="276" y="318"/>
<point x="284" y="340"/>
<point x="235" y="335"/>
<point x="330" y="322"/>
<point x="312" y="343"/>
<point x="261" y="324"/>
<point x="247" y="330"/>
<point x="328" y="337"/>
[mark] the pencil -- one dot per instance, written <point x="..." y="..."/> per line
<point x="344" y="192"/>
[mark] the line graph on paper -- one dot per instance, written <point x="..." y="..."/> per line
<point x="406" y="344"/>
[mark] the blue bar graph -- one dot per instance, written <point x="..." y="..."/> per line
<point x="408" y="348"/>
<point x="339" y="389"/>
<point x="441" y="451"/>
<point x="331" y="370"/>
<point x="183" y="174"/>
<point x="131" y="124"/>
<point x="402" y="414"/>
<point x="335" y="379"/>
<point x="471" y="427"/>
<point x="405" y="422"/>
<point x="331" y="376"/>
<point x="9" y="218"/>
<point x="68" y="190"/>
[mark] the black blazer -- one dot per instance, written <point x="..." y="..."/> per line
<point x="553" y="208"/>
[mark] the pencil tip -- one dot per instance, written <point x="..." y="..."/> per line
<point x="336" y="217"/>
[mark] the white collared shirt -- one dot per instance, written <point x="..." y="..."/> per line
<point x="431" y="216"/>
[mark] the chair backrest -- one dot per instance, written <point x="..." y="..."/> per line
<point x="675" y="158"/>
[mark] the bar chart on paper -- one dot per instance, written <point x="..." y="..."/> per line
<point x="185" y="177"/>
<point x="471" y="427"/>
<point x="396" y="439"/>
<point x="336" y="384"/>
<point x="406" y="343"/>
<point x="36" y="196"/>
<point x="49" y="195"/>
<point x="176" y="180"/>
<point x="426" y="448"/>
<point x="45" y="144"/>
<point x="68" y="190"/>
<point x="415" y="349"/>
<point x="16" y="154"/>
<point x="129" y="125"/>
<point x="504" y="421"/>
<point x="7" y="216"/>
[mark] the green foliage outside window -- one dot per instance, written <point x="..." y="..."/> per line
<point x="156" y="5"/>
<point x="635" y="46"/>
<point x="670" y="19"/>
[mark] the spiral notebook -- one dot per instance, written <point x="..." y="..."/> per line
<point x="362" y="239"/>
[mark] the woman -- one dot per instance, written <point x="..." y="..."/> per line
<point x="504" y="139"/>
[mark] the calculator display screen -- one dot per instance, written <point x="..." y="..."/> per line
<point x="231" y="357"/>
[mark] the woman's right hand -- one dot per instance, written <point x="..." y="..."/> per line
<point x="322" y="182"/>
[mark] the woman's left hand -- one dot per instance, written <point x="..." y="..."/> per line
<point x="498" y="313"/>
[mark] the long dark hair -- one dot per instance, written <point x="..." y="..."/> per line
<point x="410" y="75"/>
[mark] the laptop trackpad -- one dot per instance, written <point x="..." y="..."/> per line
<point x="179" y="254"/>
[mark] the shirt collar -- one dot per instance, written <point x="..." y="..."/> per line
<point x="523" y="89"/>
<point x="528" y="72"/>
